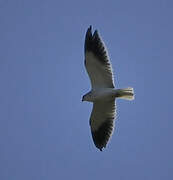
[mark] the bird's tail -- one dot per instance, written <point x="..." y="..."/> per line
<point x="126" y="93"/>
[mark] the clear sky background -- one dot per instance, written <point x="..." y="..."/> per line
<point x="44" y="126"/>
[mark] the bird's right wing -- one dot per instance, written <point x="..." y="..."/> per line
<point x="102" y="122"/>
<point x="97" y="62"/>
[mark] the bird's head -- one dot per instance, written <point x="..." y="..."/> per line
<point x="84" y="98"/>
<point x="87" y="97"/>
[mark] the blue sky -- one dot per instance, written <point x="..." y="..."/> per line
<point x="44" y="126"/>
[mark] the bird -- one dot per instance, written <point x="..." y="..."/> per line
<point x="103" y="93"/>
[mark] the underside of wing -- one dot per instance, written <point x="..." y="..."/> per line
<point x="97" y="62"/>
<point x="102" y="122"/>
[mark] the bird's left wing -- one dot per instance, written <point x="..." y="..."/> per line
<point x="102" y="122"/>
<point x="97" y="61"/>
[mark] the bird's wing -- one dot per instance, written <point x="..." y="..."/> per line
<point x="102" y="122"/>
<point x="97" y="61"/>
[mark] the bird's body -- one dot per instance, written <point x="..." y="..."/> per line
<point x="109" y="93"/>
<point x="100" y="94"/>
<point x="103" y="92"/>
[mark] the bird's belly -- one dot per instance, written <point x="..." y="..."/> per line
<point x="104" y="94"/>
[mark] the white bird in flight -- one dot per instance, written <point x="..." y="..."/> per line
<point x="103" y="93"/>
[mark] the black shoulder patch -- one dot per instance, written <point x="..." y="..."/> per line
<point x="103" y="134"/>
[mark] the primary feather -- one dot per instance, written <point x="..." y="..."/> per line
<point x="97" y="61"/>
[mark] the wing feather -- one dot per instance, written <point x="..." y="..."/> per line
<point x="97" y="61"/>
<point x="102" y="122"/>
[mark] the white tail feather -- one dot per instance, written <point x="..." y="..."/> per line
<point x="126" y="93"/>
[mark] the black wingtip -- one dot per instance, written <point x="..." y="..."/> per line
<point x="89" y="30"/>
<point x="102" y="135"/>
<point x="88" y="39"/>
<point x="94" y="44"/>
<point x="95" y="32"/>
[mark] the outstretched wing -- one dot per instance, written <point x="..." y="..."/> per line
<point x="97" y="62"/>
<point x="102" y="122"/>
